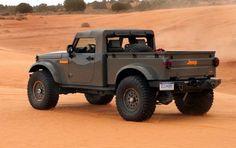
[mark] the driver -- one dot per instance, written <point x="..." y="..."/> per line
<point x="91" y="48"/>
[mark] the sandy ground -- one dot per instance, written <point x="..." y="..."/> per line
<point x="75" y="123"/>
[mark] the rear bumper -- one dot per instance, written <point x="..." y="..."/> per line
<point x="194" y="85"/>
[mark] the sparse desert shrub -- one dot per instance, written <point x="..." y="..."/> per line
<point x="24" y="8"/>
<point x="85" y="25"/>
<point x="52" y="8"/>
<point x="144" y="5"/>
<point x="2" y="7"/>
<point x="74" y="5"/>
<point x="41" y="8"/>
<point x="169" y="3"/>
<point x="5" y="14"/>
<point x="118" y="6"/>
<point x="8" y="10"/>
<point x="99" y="5"/>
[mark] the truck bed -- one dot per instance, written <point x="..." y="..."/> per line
<point x="184" y="64"/>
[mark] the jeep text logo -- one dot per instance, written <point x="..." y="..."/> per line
<point x="192" y="62"/>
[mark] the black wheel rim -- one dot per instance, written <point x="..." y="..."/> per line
<point x="39" y="91"/>
<point x="131" y="99"/>
<point x="187" y="100"/>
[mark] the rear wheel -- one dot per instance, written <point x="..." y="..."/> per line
<point x="134" y="99"/>
<point x="98" y="99"/>
<point x="196" y="103"/>
<point x="43" y="92"/>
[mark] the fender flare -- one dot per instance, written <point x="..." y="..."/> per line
<point x="147" y="71"/>
<point x="46" y="66"/>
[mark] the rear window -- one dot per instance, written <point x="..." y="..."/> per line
<point x="120" y="43"/>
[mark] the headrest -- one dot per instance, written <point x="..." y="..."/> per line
<point x="114" y="44"/>
<point x="141" y="41"/>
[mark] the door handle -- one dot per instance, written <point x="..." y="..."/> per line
<point x="90" y="58"/>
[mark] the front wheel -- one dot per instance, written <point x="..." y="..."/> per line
<point x="43" y="92"/>
<point x="195" y="103"/>
<point x="134" y="99"/>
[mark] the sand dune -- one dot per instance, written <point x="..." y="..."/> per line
<point x="75" y="123"/>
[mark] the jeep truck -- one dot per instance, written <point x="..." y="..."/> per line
<point x="126" y="64"/>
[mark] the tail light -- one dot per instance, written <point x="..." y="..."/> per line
<point x="216" y="62"/>
<point x="168" y="64"/>
<point x="37" y="58"/>
<point x="160" y="50"/>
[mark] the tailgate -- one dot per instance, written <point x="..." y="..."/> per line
<point x="191" y="64"/>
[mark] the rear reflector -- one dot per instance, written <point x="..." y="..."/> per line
<point x="168" y="64"/>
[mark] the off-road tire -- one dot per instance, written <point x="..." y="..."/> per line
<point x="138" y="48"/>
<point x="98" y="99"/>
<point x="49" y="95"/>
<point x="196" y="103"/>
<point x="141" y="110"/>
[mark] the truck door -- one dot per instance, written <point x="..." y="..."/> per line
<point x="81" y="65"/>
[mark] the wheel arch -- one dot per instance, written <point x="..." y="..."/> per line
<point x="46" y="66"/>
<point x="146" y="72"/>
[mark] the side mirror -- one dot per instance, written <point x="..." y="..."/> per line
<point x="70" y="50"/>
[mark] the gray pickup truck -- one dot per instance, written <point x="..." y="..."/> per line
<point x="125" y="63"/>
